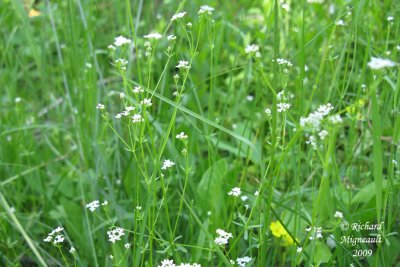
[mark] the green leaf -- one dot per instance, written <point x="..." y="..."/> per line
<point x="322" y="254"/>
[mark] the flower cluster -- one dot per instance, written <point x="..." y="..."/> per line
<point x="243" y="261"/>
<point x="55" y="237"/>
<point x="182" y="64"/>
<point x="121" y="40"/>
<point x="315" y="232"/>
<point x="207" y="10"/>
<point x="170" y="263"/>
<point x="253" y="49"/>
<point x="154" y="36"/>
<point x="167" y="164"/>
<point x="222" y="238"/>
<point x="235" y="192"/>
<point x="380" y="63"/>
<point x="178" y="16"/>
<point x="115" y="234"/>
<point x="125" y="112"/>
<point x="314" y="119"/>
<point x="181" y="136"/>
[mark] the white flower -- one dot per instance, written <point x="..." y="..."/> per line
<point x="48" y="238"/>
<point x="171" y="37"/>
<point x="167" y="263"/>
<point x="115" y="234"/>
<point x="335" y="119"/>
<point x="222" y="238"/>
<point x="205" y="10"/>
<point x="340" y="22"/>
<point x="105" y="203"/>
<point x="100" y="106"/>
<point x="182" y="135"/>
<point x="121" y="40"/>
<point x="243" y="261"/>
<point x="137" y="118"/>
<point x="390" y="18"/>
<point x="178" y="16"/>
<point x="282" y="61"/>
<point x="311" y="141"/>
<point x="121" y="95"/>
<point x="299" y="249"/>
<point x="249" y="98"/>
<point x="121" y="62"/>
<point x="314" y="119"/>
<point x="182" y="64"/>
<point x="338" y="214"/>
<point x="323" y="134"/>
<point x="92" y="206"/>
<point x="167" y="164"/>
<point x="58" y="239"/>
<point x="111" y="47"/>
<point x="250" y="49"/>
<point x="137" y="89"/>
<point x="72" y="250"/>
<point x="235" y="192"/>
<point x="127" y="245"/>
<point x="380" y="63"/>
<point x="88" y="65"/>
<point x="146" y="102"/>
<point x="155" y="36"/>
<point x="394" y="162"/>
<point x="282" y="107"/>
<point x="244" y="198"/>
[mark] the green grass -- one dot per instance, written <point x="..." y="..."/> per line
<point x="59" y="153"/>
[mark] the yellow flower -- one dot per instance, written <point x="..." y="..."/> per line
<point x="33" y="13"/>
<point x="279" y="231"/>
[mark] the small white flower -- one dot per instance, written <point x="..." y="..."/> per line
<point x="323" y="134"/>
<point x="338" y="214"/>
<point x="146" y="102"/>
<point x="380" y="63"/>
<point x="282" y="107"/>
<point x="335" y="119"/>
<point x="282" y="61"/>
<point x="189" y="25"/>
<point x="330" y="241"/>
<point x="299" y="249"/>
<point x="111" y="47"/>
<point x="154" y="36"/>
<point x="115" y="234"/>
<point x="167" y="164"/>
<point x="137" y="118"/>
<point x="92" y="206"/>
<point x="249" y="98"/>
<point x="105" y="203"/>
<point x="88" y="65"/>
<point x="257" y="193"/>
<point x="206" y="10"/>
<point x="127" y="245"/>
<point x="121" y="40"/>
<point x="268" y="112"/>
<point x="244" y="198"/>
<point x="340" y="22"/>
<point x="182" y="135"/>
<point x="251" y="49"/>
<point x="58" y="239"/>
<point x="236" y="191"/>
<point x="171" y="37"/>
<point x="390" y="18"/>
<point x="311" y="141"/>
<point x="394" y="162"/>
<point x="222" y="238"/>
<point x="182" y="64"/>
<point x="243" y="261"/>
<point x="137" y="89"/>
<point x="178" y="16"/>
<point x="100" y="106"/>
<point x="72" y="250"/>
<point x="48" y="238"/>
<point x="167" y="263"/>
<point x="138" y="208"/>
